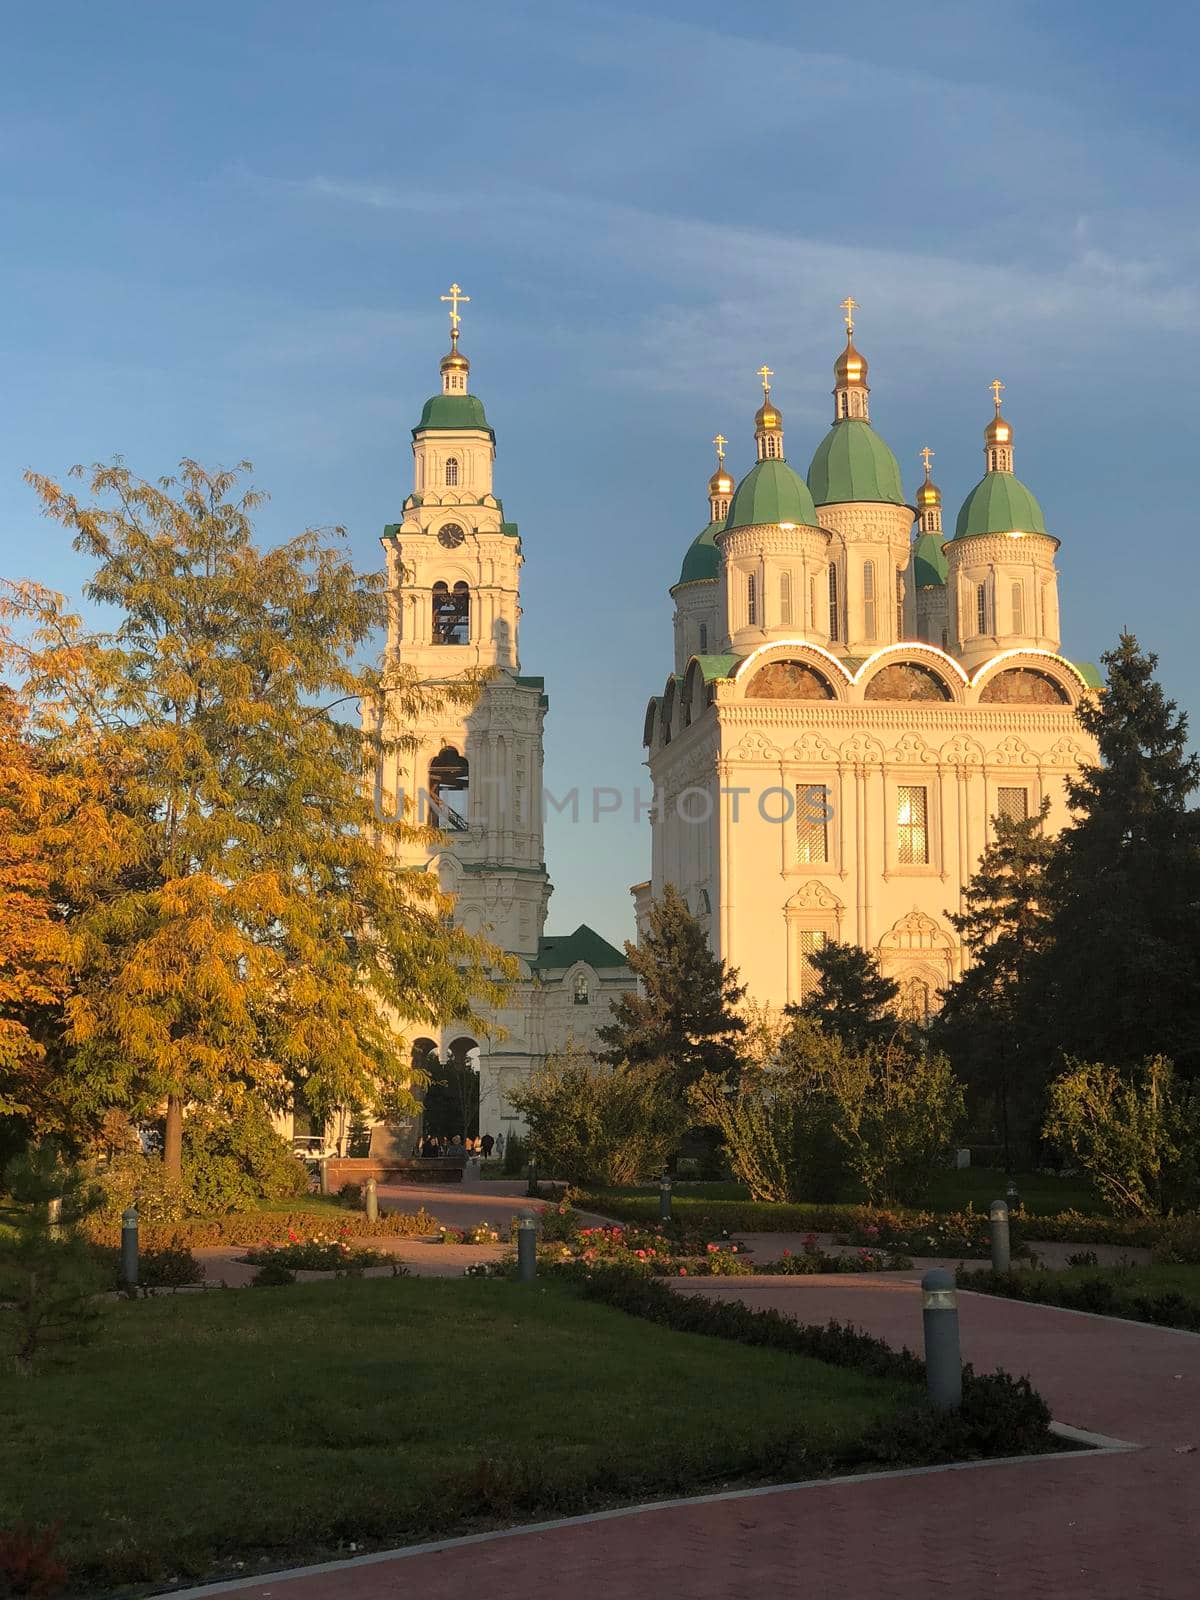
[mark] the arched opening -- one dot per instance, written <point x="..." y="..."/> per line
<point x="1023" y="686"/>
<point x="789" y="680"/>
<point x="834" y="608"/>
<point x="581" y="990"/>
<point x="450" y="774"/>
<point x="914" y="1001"/>
<point x="452" y="472"/>
<point x="451" y="1102"/>
<point x="907" y="680"/>
<point x="451" y="613"/>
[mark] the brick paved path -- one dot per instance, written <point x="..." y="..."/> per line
<point x="1121" y="1526"/>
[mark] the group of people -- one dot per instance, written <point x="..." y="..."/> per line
<point x="466" y="1148"/>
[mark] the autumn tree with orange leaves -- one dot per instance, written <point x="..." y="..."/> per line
<point x="243" y="929"/>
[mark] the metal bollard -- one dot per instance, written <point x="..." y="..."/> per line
<point x="54" y="1218"/>
<point x="526" y="1247"/>
<point x="323" y="1164"/>
<point x="664" y="1197"/>
<point x="371" y="1200"/>
<point x="943" y="1358"/>
<point x="1001" y="1252"/>
<point x="129" y="1248"/>
<point x="533" y="1181"/>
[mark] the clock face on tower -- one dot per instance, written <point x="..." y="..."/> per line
<point x="451" y="536"/>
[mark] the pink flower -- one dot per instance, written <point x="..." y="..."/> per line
<point x="683" y="1272"/>
<point x="712" y="1249"/>
<point x="641" y="1255"/>
<point x="786" y="1254"/>
<point x="294" y="1237"/>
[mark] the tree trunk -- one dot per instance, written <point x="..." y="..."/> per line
<point x="173" y="1138"/>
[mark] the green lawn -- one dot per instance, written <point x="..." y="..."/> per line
<point x="271" y="1425"/>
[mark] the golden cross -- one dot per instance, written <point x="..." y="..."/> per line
<point x="456" y="298"/>
<point x="766" y="375"/>
<point x="995" y="386"/>
<point x="850" y="305"/>
<point x="925" y="456"/>
<point x="720" y="441"/>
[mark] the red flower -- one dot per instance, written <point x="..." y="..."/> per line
<point x="712" y="1249"/>
<point x="294" y="1237"/>
<point x="786" y="1254"/>
<point x="683" y="1272"/>
<point x="641" y="1255"/>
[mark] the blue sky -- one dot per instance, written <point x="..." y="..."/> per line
<point x="226" y="229"/>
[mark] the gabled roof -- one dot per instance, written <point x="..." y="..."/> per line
<point x="558" y="952"/>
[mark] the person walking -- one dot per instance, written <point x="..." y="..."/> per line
<point x="487" y="1144"/>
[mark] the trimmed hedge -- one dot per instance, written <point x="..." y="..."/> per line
<point x="267" y="1227"/>
<point x="1000" y="1415"/>
<point x="762" y="1216"/>
<point x="1165" y="1307"/>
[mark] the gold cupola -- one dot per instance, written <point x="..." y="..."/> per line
<point x="998" y="436"/>
<point x="850" y="387"/>
<point x="720" y="485"/>
<point x="929" y="500"/>
<point x="768" y="422"/>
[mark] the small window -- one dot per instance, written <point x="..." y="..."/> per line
<point x="703" y="639"/>
<point x="833" y="605"/>
<point x="812" y="602"/>
<point x="899" y="607"/>
<point x="1012" y="804"/>
<point x="583" y="993"/>
<point x="912" y="814"/>
<point x="981" y="609"/>
<point x="751" y="602"/>
<point x="785" y="599"/>
<point x="704" y="906"/>
<point x="452" y="472"/>
<point x="812" y="823"/>
<point x="869" y="599"/>
<point x="1018" y="608"/>
<point x="809" y="941"/>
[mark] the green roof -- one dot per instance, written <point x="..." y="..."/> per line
<point x="999" y="503"/>
<point x="929" y="561"/>
<point x="1090" y="673"/>
<point x="557" y="953"/>
<point x="703" y="559"/>
<point x="853" y="463"/>
<point x="712" y="667"/>
<point x="453" y="411"/>
<point x="771" y="492"/>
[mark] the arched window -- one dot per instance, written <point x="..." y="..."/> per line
<point x="452" y="472"/>
<point x="451" y="613"/>
<point x="1018" y="608"/>
<point x="751" y="602"/>
<point x="914" y="1001"/>
<point x="583" y="993"/>
<point x="833" y="605"/>
<point x="899" y="607"/>
<point x="785" y="599"/>
<point x="869" y="599"/>
<point x="703" y="650"/>
<point x="449" y="774"/>
<point x="981" y="609"/>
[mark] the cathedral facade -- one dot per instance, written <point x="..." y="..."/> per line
<point x="473" y="770"/>
<point x="854" y="698"/>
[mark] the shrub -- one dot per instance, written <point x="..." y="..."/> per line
<point x="29" y="1563"/>
<point x="170" y="1268"/>
<point x="272" y="1275"/>
<point x="1113" y="1294"/>
<point x="559" y="1221"/>
<point x="318" y="1254"/>
<point x="264" y="1227"/>
<point x="350" y="1195"/>
<point x="516" y="1156"/>
<point x="1180" y="1242"/>
<point x="1136" y="1133"/>
<point x="591" y="1123"/>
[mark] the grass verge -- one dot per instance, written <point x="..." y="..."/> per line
<point x="265" y="1426"/>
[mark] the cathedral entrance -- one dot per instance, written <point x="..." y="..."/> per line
<point x="452" y="1095"/>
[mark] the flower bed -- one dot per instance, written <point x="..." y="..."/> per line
<point x="964" y="1234"/>
<point x="482" y="1233"/>
<point x="320" y="1253"/>
<point x="813" y="1260"/>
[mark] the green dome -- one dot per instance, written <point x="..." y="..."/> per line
<point x="771" y="492"/>
<point x="703" y="558"/>
<point x="929" y="561"/>
<point x="453" y="411"/>
<point x="999" y="503"/>
<point x="853" y="463"/>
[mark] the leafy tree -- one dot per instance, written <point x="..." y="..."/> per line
<point x="899" y="1109"/>
<point x="852" y="1000"/>
<point x="1135" y="1131"/>
<point x="590" y="1123"/>
<point x="1004" y="928"/>
<point x="451" y="1100"/>
<point x="683" y="1023"/>
<point x="1119" y="979"/>
<point x="236" y="919"/>
<point x="33" y="942"/>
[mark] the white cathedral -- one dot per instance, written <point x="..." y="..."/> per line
<point x="854" y="697"/>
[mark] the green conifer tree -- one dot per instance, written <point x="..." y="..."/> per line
<point x="852" y="1001"/>
<point x="683" y="1023"/>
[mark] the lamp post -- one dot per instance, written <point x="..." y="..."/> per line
<point x="526" y="1247"/>
<point x="1001" y="1251"/>
<point x="664" y="1197"/>
<point x="943" y="1358"/>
